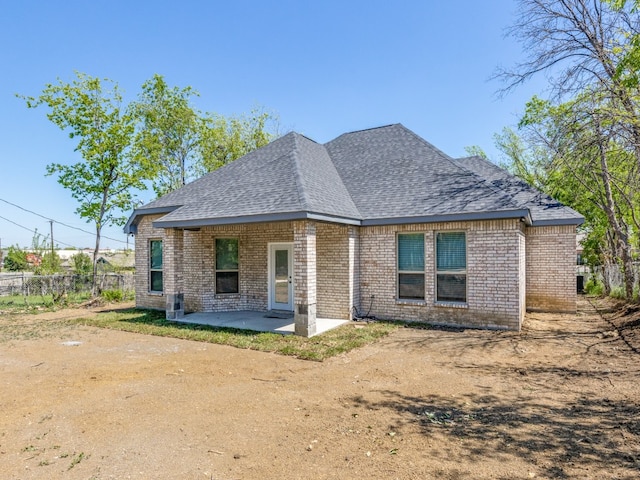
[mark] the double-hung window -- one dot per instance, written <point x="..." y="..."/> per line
<point x="451" y="267"/>
<point x="155" y="266"/>
<point x="227" y="274"/>
<point x="411" y="266"/>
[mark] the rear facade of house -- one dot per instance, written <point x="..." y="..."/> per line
<point x="376" y="222"/>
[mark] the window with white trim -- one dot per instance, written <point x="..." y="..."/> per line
<point x="411" y="266"/>
<point x="451" y="267"/>
<point x="155" y="266"/>
<point x="227" y="273"/>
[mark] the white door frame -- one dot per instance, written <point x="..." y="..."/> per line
<point x="272" y="247"/>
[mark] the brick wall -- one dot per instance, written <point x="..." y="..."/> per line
<point x="494" y="263"/>
<point x="354" y="268"/>
<point x="523" y="274"/>
<point x="551" y="268"/>
<point x="508" y="267"/>
<point x="146" y="232"/>
<point x="253" y="240"/>
<point x="198" y="265"/>
<point x="334" y="270"/>
<point x="305" y="261"/>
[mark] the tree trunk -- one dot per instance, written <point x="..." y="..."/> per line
<point x="96" y="251"/>
<point x="619" y="227"/>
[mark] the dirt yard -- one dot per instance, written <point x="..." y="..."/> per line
<point x="561" y="399"/>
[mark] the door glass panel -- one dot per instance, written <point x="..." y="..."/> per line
<point x="282" y="276"/>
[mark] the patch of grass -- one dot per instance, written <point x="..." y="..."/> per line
<point x="318" y="348"/>
<point x="117" y="295"/>
<point x="37" y="303"/>
<point x="112" y="295"/>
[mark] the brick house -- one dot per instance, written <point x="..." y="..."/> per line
<point x="377" y="220"/>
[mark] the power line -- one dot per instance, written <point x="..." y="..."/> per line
<point x="60" y="223"/>
<point x="35" y="232"/>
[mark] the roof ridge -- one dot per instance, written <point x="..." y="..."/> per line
<point x="425" y="142"/>
<point x="486" y="161"/>
<point x="303" y="196"/>
<point x="363" y="130"/>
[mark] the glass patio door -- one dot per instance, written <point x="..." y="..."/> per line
<point x="281" y="276"/>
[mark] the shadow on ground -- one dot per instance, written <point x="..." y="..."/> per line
<point x="583" y="436"/>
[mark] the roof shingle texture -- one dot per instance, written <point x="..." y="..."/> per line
<point x="543" y="208"/>
<point x="382" y="173"/>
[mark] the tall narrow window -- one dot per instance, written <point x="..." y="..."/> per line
<point x="227" y="265"/>
<point x="451" y="267"/>
<point x="155" y="266"/>
<point x="411" y="266"/>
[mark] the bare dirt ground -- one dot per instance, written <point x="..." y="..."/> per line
<point x="561" y="399"/>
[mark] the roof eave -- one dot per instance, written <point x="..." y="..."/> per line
<point x="260" y="218"/>
<point x="522" y="214"/>
<point x="131" y="227"/>
<point x="558" y="222"/>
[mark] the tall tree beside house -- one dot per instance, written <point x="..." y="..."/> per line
<point x="169" y="131"/>
<point x="104" y="180"/>
<point x="225" y="139"/>
<point x="574" y="152"/>
<point x="586" y="138"/>
<point x="183" y="143"/>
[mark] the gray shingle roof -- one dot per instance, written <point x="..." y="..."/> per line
<point x="393" y="173"/>
<point x="384" y="175"/>
<point x="544" y="209"/>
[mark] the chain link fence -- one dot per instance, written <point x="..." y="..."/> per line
<point x="27" y="284"/>
<point x="613" y="275"/>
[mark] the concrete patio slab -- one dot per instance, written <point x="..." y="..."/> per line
<point x="275" y="322"/>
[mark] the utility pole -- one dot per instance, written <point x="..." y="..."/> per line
<point x="52" y="252"/>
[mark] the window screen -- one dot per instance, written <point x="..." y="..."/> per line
<point x="451" y="267"/>
<point x="411" y="266"/>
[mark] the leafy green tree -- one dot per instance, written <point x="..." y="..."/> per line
<point x="104" y="181"/>
<point x="81" y="263"/>
<point x="476" y="151"/>
<point x="49" y="261"/>
<point x="578" y="151"/>
<point x="227" y="139"/>
<point x="50" y="264"/>
<point x="181" y="143"/>
<point x="169" y="133"/>
<point x="16" y="260"/>
<point x="589" y="135"/>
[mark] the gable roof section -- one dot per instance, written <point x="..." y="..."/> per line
<point x="544" y="209"/>
<point x="380" y="176"/>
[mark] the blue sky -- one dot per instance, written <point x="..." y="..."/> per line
<point x="324" y="68"/>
